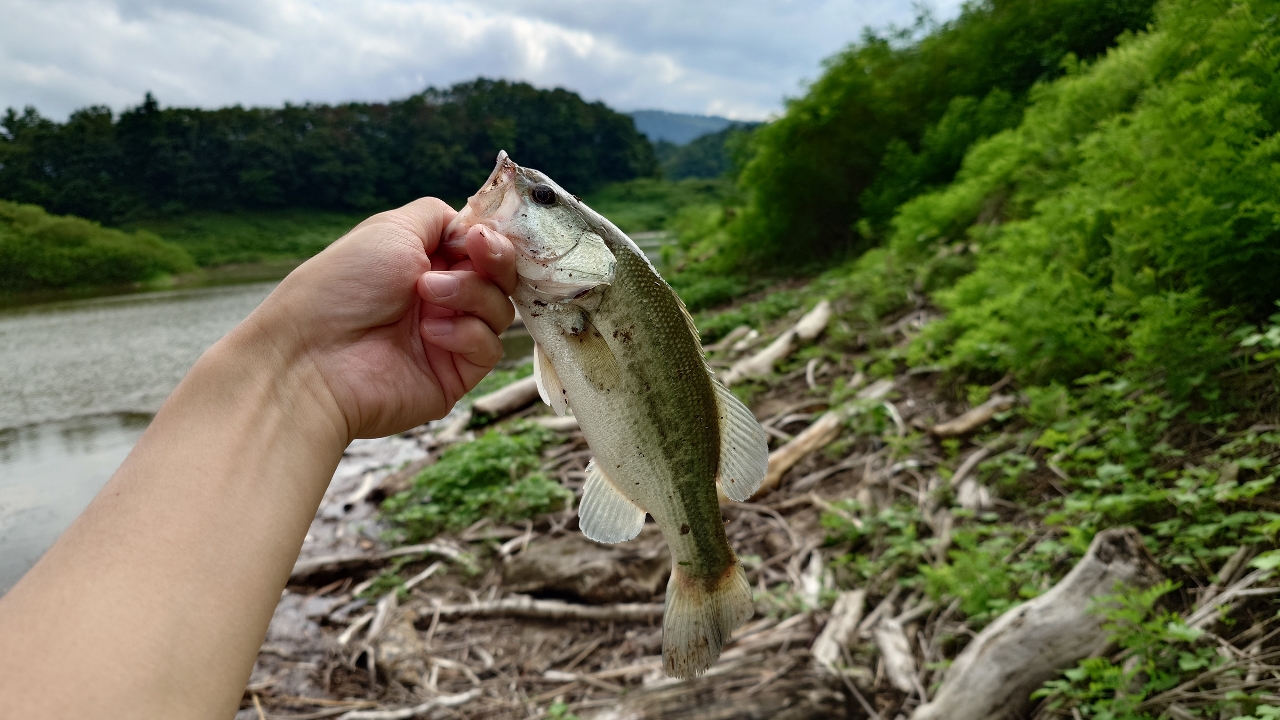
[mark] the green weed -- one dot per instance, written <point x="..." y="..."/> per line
<point x="495" y="476"/>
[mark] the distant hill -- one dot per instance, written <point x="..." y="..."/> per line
<point x="676" y="128"/>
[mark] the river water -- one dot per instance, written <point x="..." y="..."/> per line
<point x="79" y="382"/>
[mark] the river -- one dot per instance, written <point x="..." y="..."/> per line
<point x="79" y="382"/>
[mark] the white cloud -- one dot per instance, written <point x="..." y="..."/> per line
<point x="737" y="59"/>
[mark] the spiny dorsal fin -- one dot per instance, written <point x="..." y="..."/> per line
<point x="744" y="447"/>
<point x="549" y="386"/>
<point x="605" y="514"/>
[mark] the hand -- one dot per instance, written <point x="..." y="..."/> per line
<point x="396" y="330"/>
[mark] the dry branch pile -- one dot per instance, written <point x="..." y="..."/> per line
<point x="534" y="621"/>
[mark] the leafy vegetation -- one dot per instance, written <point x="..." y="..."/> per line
<point x="496" y="476"/>
<point x="214" y="239"/>
<point x="356" y="156"/>
<point x="894" y="114"/>
<point x="40" y="251"/>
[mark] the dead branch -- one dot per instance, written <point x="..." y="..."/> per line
<point x="348" y="562"/>
<point x="565" y="424"/>
<point x="448" y="701"/>
<point x="761" y="364"/>
<point x="841" y="628"/>
<point x="507" y="399"/>
<point x="974" y="419"/>
<point x="815" y="437"/>
<point x="895" y="649"/>
<point x="524" y="606"/>
<point x="995" y="674"/>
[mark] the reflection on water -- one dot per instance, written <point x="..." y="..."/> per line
<point x="48" y="473"/>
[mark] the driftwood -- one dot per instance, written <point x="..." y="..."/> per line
<point x="524" y="606"/>
<point x="995" y="674"/>
<point x="567" y="423"/>
<point x="821" y="433"/>
<point x="841" y="629"/>
<point x="729" y="340"/>
<point x="974" y="419"/>
<point x="761" y="363"/>
<point x="348" y="562"/>
<point x="508" y="399"/>
<point x="895" y="650"/>
<point x="443" y="701"/>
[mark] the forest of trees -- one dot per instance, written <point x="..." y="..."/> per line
<point x="152" y="160"/>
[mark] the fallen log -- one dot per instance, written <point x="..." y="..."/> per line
<point x="508" y="399"/>
<point x="567" y="423"/>
<point x="997" y="671"/>
<point x="974" y="419"/>
<point x="761" y="364"/>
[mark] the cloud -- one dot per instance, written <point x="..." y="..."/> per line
<point x="736" y="59"/>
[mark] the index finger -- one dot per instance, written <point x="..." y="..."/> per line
<point x="424" y="219"/>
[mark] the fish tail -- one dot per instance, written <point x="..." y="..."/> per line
<point x="701" y="614"/>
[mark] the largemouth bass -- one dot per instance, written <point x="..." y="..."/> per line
<point x="616" y="344"/>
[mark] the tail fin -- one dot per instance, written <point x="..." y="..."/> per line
<point x="700" y="616"/>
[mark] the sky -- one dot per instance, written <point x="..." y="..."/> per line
<point x="737" y="59"/>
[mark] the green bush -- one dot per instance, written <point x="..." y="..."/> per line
<point x="39" y="251"/>
<point x="893" y="115"/>
<point x="496" y="476"/>
<point x="1132" y="217"/>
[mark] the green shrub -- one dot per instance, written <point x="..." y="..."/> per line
<point x="496" y="476"/>
<point x="39" y="251"/>
<point x="1130" y="218"/>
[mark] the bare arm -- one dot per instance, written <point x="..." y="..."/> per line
<point x="154" y="603"/>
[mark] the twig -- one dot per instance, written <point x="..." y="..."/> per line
<point x="448" y="701"/>
<point x="524" y="606"/>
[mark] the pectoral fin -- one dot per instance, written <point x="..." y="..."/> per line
<point x="744" y="447"/>
<point x="605" y="514"/>
<point x="549" y="386"/>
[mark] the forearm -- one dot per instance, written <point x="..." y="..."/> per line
<point x="154" y="602"/>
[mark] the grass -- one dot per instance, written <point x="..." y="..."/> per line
<point x="214" y="239"/>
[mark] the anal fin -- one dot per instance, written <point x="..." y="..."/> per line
<point x="549" y="386"/>
<point x="605" y="514"/>
<point x="744" y="447"/>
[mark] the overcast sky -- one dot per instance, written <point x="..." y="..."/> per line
<point x="737" y="59"/>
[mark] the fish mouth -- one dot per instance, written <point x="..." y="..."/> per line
<point x="481" y="207"/>
<point x="489" y="197"/>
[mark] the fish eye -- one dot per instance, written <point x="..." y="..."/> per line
<point x="544" y="195"/>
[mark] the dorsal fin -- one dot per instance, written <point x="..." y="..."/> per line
<point x="744" y="447"/>
<point x="605" y="514"/>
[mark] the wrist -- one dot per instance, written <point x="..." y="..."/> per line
<point x="271" y="369"/>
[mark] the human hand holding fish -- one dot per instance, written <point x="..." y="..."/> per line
<point x="615" y="343"/>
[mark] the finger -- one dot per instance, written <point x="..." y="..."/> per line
<point x="424" y="219"/>
<point x="470" y="293"/>
<point x="493" y="255"/>
<point x="464" y="335"/>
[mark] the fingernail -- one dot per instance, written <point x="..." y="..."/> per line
<point x="437" y="326"/>
<point x="495" y="245"/>
<point x="440" y="284"/>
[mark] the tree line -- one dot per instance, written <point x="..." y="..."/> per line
<point x="151" y="160"/>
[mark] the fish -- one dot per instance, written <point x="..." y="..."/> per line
<point x="614" y="343"/>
